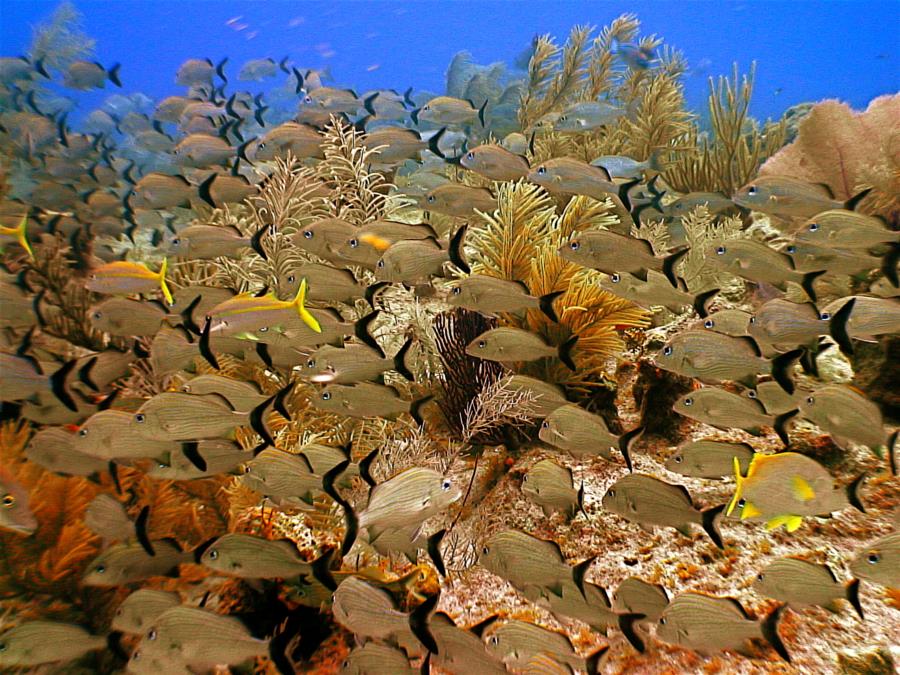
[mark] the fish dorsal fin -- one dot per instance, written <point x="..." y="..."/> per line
<point x="830" y="573"/>
<point x="687" y="495"/>
<point x="523" y="285"/>
<point x="750" y="342"/>
<point x="826" y="188"/>
<point x="802" y="490"/>
<point x="739" y="608"/>
<point x="739" y="485"/>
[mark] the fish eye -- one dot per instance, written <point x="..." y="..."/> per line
<point x="346" y="664"/>
<point x="307" y="234"/>
<point x="542" y="171"/>
<point x="213" y="554"/>
<point x="326" y="395"/>
<point x="751" y="393"/>
<point x="136" y="656"/>
<point x="611" y="492"/>
<point x="456" y="291"/>
<point x="759" y="577"/>
<point x="139" y="418"/>
<point x="9" y="500"/>
<point x="426" y="107"/>
<point x="873" y="557"/>
<point x="678" y="459"/>
<point x="720" y="250"/>
<point x="662" y="621"/>
<point x="485" y="550"/>
<point x="825" y="316"/>
<point x="495" y="640"/>
<point x="470" y="156"/>
<point x="311" y="363"/>
<point x="100" y="569"/>
<point x="152" y="634"/>
<point x="667" y="350"/>
<point x="482" y="344"/>
<point x="752" y="190"/>
<point x="380" y="264"/>
<point x="354" y="243"/>
<point x="264" y="329"/>
<point x="307" y="99"/>
<point x="689" y="401"/>
<point x="810" y="400"/>
<point x="742" y="502"/>
<point x="791" y="249"/>
<point x="813" y="227"/>
<point x="446" y="485"/>
<point x="261" y="146"/>
<point x="291" y="278"/>
<point x="615" y="278"/>
<point x="575" y="245"/>
<point x="120" y="612"/>
<point x="752" y="319"/>
<point x="709" y="323"/>
<point x="525" y="478"/>
<point x="97" y="315"/>
<point x="431" y="199"/>
<point x="186" y="388"/>
<point x="82" y="432"/>
<point x="545" y="424"/>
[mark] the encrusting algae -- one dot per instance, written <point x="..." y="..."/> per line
<point x="319" y="381"/>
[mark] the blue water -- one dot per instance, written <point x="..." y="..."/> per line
<point x="804" y="50"/>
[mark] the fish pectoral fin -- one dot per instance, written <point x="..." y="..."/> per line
<point x="685" y="530"/>
<point x="749" y="511"/>
<point x="791" y="523"/>
<point x="802" y="490"/>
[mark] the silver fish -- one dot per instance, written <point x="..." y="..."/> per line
<point x="141" y="608"/>
<point x="33" y="643"/>
<point x="122" y="564"/>
<point x="710" y="459"/>
<point x="550" y="486"/>
<point x="879" y="561"/>
<point x="247" y="556"/>
<point x="801" y="583"/>
<point x="15" y="515"/>
<point x="724" y="410"/>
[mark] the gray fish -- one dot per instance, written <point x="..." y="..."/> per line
<point x="755" y="261"/>
<point x="846" y="414"/>
<point x="301" y="140"/>
<point x="641" y="597"/>
<point x="141" y="608"/>
<point x="787" y="324"/>
<point x="122" y="564"/>
<point x="332" y="100"/>
<point x="615" y="253"/>
<point x="353" y="363"/>
<point x="567" y="175"/>
<point x="368" y="244"/>
<point x="176" y="416"/>
<point x="879" y="561"/>
<point x="283" y="477"/>
<point x="370" y="612"/>
<point x="192" y="303"/>
<point x="490" y="295"/>
<point x="86" y="75"/>
<point x="583" y="434"/>
<point x="656" y="291"/>
<point x="788" y="197"/>
<point x="106" y="516"/>
<point x="724" y="410"/>
<point x="801" y="583"/>
<point x="15" y="515"/>
<point x="33" y="643"/>
<point x="173" y="349"/>
<point x="195" y="72"/>
<point x="506" y="344"/>
<point x="495" y="162"/>
<point x="449" y="110"/>
<point x="534" y="566"/>
<point x="834" y="261"/>
<point x="219" y="457"/>
<point x="710" y="459"/>
<point x="587" y="602"/>
<point x="869" y="317"/>
<point x="257" y="70"/>
<point x="125" y="317"/>
<point x="708" y="624"/>
<point x="515" y="642"/>
<point x="545" y="396"/>
<point x="715" y="202"/>
<point x="246" y="556"/>
<point x="587" y="116"/>
<point x="243" y="396"/>
<point x="373" y="658"/>
<point x="775" y="400"/>
<point x="620" y="166"/>
<point x="199" y="150"/>
<point x="460" y="650"/>
<point x="366" y="399"/>
<point x="393" y="145"/>
<point x="222" y="188"/>
<point x="715" y="357"/>
<point x="206" y="242"/>
<point x="53" y="450"/>
<point x="324" y="237"/>
<point x="110" y="435"/>
<point x="409" y="498"/>
<point x="650" y="502"/>
<point x="411" y="261"/>
<point x="550" y="486"/>
<point x="324" y="283"/>
<point x="458" y="200"/>
<point x="840" y="228"/>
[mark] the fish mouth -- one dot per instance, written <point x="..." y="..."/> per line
<point x="328" y="376"/>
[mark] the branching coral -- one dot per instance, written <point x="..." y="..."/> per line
<point x="701" y="229"/>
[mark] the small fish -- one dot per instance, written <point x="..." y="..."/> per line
<point x="126" y="278"/>
<point x="546" y="397"/>
<point x="708" y="624"/>
<point x="367" y="244"/>
<point x="374" y="658"/>
<point x="567" y="175"/>
<point x="868" y="318"/>
<point x="787" y="197"/>
<point x="354" y="363"/>
<point x="15" y="515"/>
<point x="141" y="608"/>
<point x="656" y="291"/>
<point x="724" y="410"/>
<point x="216" y="455"/>
<point x="246" y="556"/>
<point x="775" y="400"/>
<point x="787" y="325"/>
<point x="755" y="261"/>
<point x="716" y="357"/>
<point x="635" y="56"/>
<point x="812" y="258"/>
<point x="650" y="502"/>
<point x="332" y="100"/>
<point x="458" y="200"/>
<point x="495" y="162"/>
<point x="534" y="566"/>
<point x="246" y="312"/>
<point x="847" y="415"/>
<point x="301" y="140"/>
<point x="126" y="317"/>
<point x="204" y="640"/>
<point x="242" y="396"/>
<point x="106" y="516"/>
<point x="588" y="116"/>
<point x="550" y="486"/>
<point x="52" y="449"/>
<point x="367" y="399"/>
<point x="715" y="202"/>
<point x="193" y="303"/>
<point x="20" y="234"/>
<point x="86" y="75"/>
<point x="206" y="242"/>
<point x="586" y="602"/>
<point x="176" y="416"/>
<point x="223" y="188"/>
<point x="409" y="498"/>
<point x="615" y="253"/>
<point x="879" y="561"/>
<point x="515" y="142"/>
<point x="14" y="68"/>
<point x="33" y="643"/>
<point x="449" y="110"/>
<point x="122" y="564"/>
<point x="283" y="477"/>
<point x="781" y="489"/>
<point x="583" y="434"/>
<point x="800" y="583"/>
<point x="195" y="72"/>
<point x="490" y="295"/>
<point x="109" y="435"/>
<point x="710" y="459"/>
<point x="22" y="378"/>
<point x="620" y="166"/>
<point x="202" y="149"/>
<point x="411" y="261"/>
<point x="846" y="229"/>
<point x="460" y="650"/>
<point x="393" y="145"/>
<point x="256" y="70"/>
<point x="515" y="642"/>
<point x="514" y="344"/>
<point x="641" y="597"/>
<point x="174" y="349"/>
<point x="370" y="612"/>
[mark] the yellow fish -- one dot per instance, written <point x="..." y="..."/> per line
<point x="19" y="233"/>
<point x="246" y="312"/>
<point x="124" y="277"/>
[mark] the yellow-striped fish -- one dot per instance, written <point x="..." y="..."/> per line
<point x="123" y="277"/>
<point x="19" y="233"/>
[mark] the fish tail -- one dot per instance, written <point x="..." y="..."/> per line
<point x="853" y="493"/>
<point x="545" y="302"/>
<point x="415" y="409"/>
<point x="807" y="283"/>
<point x="481" y="113"/>
<point x="434" y="551"/>
<point x="258" y="424"/>
<point x="372" y="291"/>
<point x="21" y="233"/>
<point x="808" y="359"/>
<point x="321" y="569"/>
<point x="626" y="440"/>
<point x="256" y="242"/>
<point x="204" y="187"/>
<point x="592" y="662"/>
<point x="280" y="398"/>
<point x="400" y="361"/>
<point x="84" y="374"/>
<point x="889" y="264"/>
<point x="414" y="113"/>
<point x="302" y="312"/>
<point x="852" y="591"/>
<point x="837" y="327"/>
<point x="892" y="455"/>
<point x="708" y="521"/>
<point x="456" y="249"/>
<point x="669" y="262"/>
<point x="113" y="74"/>
<point x="39" y="67"/>
<point x="565" y="352"/>
<point x="280" y="643"/>
<point x="162" y="281"/>
<point x="433" y="142"/>
<point x="58" y="385"/>
<point x="367" y="104"/>
<point x="780" y="426"/>
<point x="418" y="623"/>
<point x="579" y="499"/>
<point x="781" y="365"/>
<point x="364" y="335"/>
<point x="140" y="531"/>
<point x="113" y="469"/>
<point x="107" y="401"/>
<point x="365" y="467"/>
<point x="580" y="570"/>
<point x="626" y="625"/>
<point x="853" y="202"/>
<point x="205" y="350"/>
<point x="624" y="190"/>
<point x="769" y="630"/>
<point x="702" y="299"/>
<point x="191" y="452"/>
<point x="352" y="521"/>
<point x="738" y="488"/>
